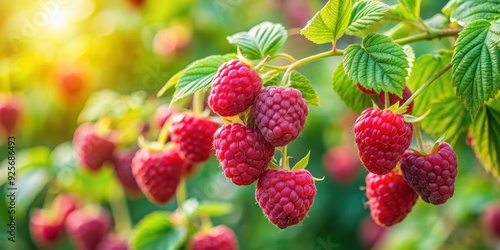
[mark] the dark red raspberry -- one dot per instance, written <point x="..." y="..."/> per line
<point x="433" y="175"/>
<point x="243" y="152"/>
<point x="87" y="226"/>
<point x="158" y="173"/>
<point x="111" y="242"/>
<point x="92" y="149"/>
<point x="234" y="88"/>
<point x="280" y="114"/>
<point x="122" y="162"/>
<point x="217" y="238"/>
<point x="10" y="114"/>
<point x="390" y="198"/>
<point x="342" y="164"/>
<point x="381" y="137"/>
<point x="46" y="229"/>
<point x="491" y="219"/>
<point x="365" y="90"/>
<point x="393" y="98"/>
<point x="285" y="196"/>
<point x="193" y="137"/>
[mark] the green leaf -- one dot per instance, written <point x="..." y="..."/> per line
<point x="412" y="6"/>
<point x="448" y="9"/>
<point x="199" y="75"/>
<point x="299" y="82"/>
<point x="485" y="130"/>
<point x="214" y="209"/>
<point x="329" y="24"/>
<point x="466" y="11"/>
<point x="364" y="14"/>
<point x="399" y="13"/>
<point x="476" y="64"/>
<point x="348" y="92"/>
<point x="156" y="231"/>
<point x="302" y="163"/>
<point x="171" y="82"/>
<point x="447" y="112"/>
<point x="260" y="41"/>
<point x="378" y="64"/>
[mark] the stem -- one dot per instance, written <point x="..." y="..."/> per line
<point x="426" y="84"/>
<point x="198" y="98"/>
<point x="424" y="25"/>
<point x="279" y="68"/>
<point x="121" y="215"/>
<point x="418" y="135"/>
<point x="162" y="137"/>
<point x="286" y="56"/>
<point x="387" y="100"/>
<point x="181" y="193"/>
<point x="309" y="59"/>
<point x="428" y="36"/>
<point x="285" y="164"/>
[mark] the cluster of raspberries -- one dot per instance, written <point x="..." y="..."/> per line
<point x="245" y="150"/>
<point x="383" y="139"/>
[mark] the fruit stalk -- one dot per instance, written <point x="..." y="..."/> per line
<point x="434" y="33"/>
<point x="309" y="59"/>
<point x="181" y="193"/>
<point x="121" y="216"/>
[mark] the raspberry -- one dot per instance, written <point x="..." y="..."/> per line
<point x="243" y="153"/>
<point x="381" y="137"/>
<point x="365" y="90"/>
<point x="234" y="88"/>
<point x="45" y="230"/>
<point x="217" y="238"/>
<point x="92" y="150"/>
<point x="341" y="164"/>
<point x="393" y="98"/>
<point x="64" y="204"/>
<point x="433" y="175"/>
<point x="111" y="242"/>
<point x="193" y="137"/>
<point x="10" y="114"/>
<point x="87" y="226"/>
<point x="158" y="173"/>
<point x="122" y="162"/>
<point x="280" y="114"/>
<point x="285" y="196"/>
<point x="390" y="198"/>
<point x="491" y="219"/>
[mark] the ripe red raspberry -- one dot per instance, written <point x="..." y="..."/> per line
<point x="111" y="242"/>
<point x="234" y="88"/>
<point x="393" y="98"/>
<point x="365" y="90"/>
<point x="280" y="114"/>
<point x="122" y="162"/>
<point x="193" y="137"/>
<point x="341" y="164"/>
<point x="158" y="173"/>
<point x="381" y="137"/>
<point x="92" y="149"/>
<point x="491" y="219"/>
<point x="243" y="152"/>
<point x="10" y="114"/>
<point x="45" y="229"/>
<point x="390" y="198"/>
<point x="433" y="175"/>
<point x="285" y="196"/>
<point x="87" y="226"/>
<point x="217" y="238"/>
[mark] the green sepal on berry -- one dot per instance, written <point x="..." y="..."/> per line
<point x="302" y="163"/>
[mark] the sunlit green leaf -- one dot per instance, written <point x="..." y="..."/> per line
<point x="329" y="24"/>
<point x="348" y="92"/>
<point x="378" y="64"/>
<point x="156" y="231"/>
<point x="260" y="41"/>
<point x="476" y="64"/>
<point x="466" y="11"/>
